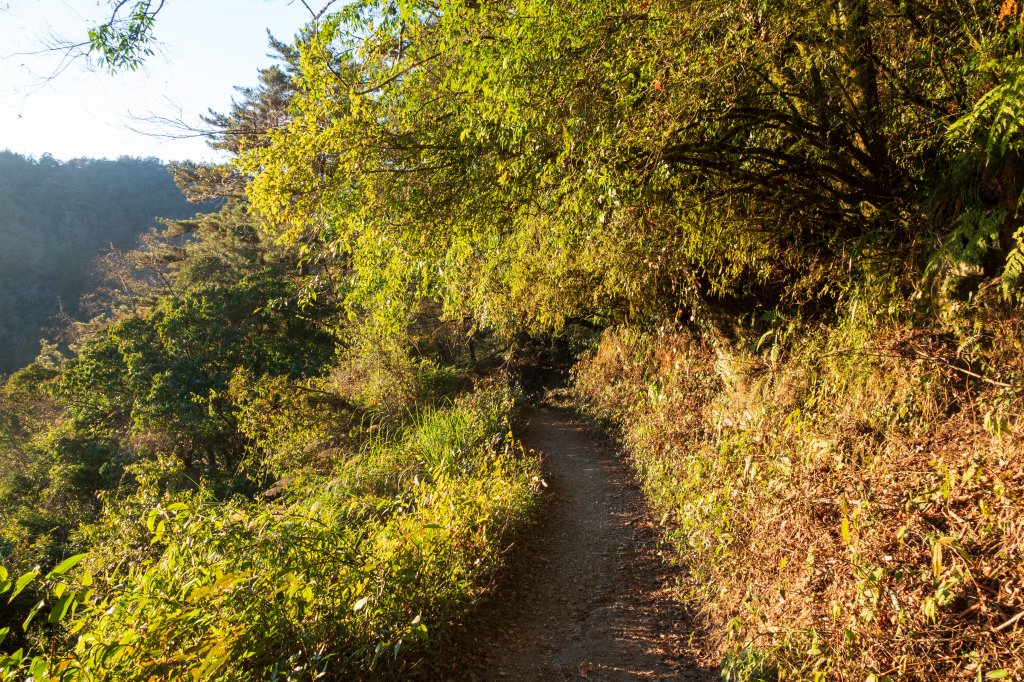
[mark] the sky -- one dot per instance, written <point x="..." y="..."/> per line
<point x="206" y="47"/>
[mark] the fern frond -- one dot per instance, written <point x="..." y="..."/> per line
<point x="996" y="116"/>
<point x="1013" y="271"/>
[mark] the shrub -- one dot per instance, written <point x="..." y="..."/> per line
<point x="344" y="578"/>
<point x="848" y="510"/>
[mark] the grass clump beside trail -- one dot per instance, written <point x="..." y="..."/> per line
<point x="844" y="505"/>
<point x="343" y="578"/>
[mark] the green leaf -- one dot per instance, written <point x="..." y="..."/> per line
<point x="3" y="634"/>
<point x="997" y="674"/>
<point x="32" y="614"/>
<point x="151" y="520"/>
<point x="60" y="609"/>
<point x="158" y="534"/>
<point x="20" y="584"/>
<point x="66" y="565"/>
<point x="110" y="653"/>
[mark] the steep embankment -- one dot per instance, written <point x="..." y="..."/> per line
<point x="845" y="505"/>
<point x="587" y="595"/>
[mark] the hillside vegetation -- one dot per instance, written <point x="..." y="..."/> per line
<point x="785" y="235"/>
<point x="56" y="219"/>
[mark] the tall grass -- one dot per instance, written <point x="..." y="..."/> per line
<point x="844" y="507"/>
<point x="345" y="579"/>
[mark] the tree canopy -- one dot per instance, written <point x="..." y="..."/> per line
<point x="530" y="163"/>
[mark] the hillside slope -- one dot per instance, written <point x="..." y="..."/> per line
<point x="56" y="219"/>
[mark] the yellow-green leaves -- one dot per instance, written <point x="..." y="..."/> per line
<point x="66" y="565"/>
<point x="21" y="583"/>
<point x="355" y="568"/>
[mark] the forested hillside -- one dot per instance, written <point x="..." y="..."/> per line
<point x="778" y="243"/>
<point x="56" y="219"/>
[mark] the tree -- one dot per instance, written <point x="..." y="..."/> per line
<point x="126" y="39"/>
<point x="531" y="163"/>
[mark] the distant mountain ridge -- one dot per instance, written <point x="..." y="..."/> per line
<point x="56" y="218"/>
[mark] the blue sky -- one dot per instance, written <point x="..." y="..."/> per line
<point x="205" y="48"/>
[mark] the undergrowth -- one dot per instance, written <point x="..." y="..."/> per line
<point x="346" y="578"/>
<point x="846" y="506"/>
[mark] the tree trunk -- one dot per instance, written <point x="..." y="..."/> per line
<point x="866" y="115"/>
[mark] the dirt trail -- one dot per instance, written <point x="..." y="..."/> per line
<point x="585" y="596"/>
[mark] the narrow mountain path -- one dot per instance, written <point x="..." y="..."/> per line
<point x="586" y="596"/>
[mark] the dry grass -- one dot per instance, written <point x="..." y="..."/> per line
<point x="850" y="509"/>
